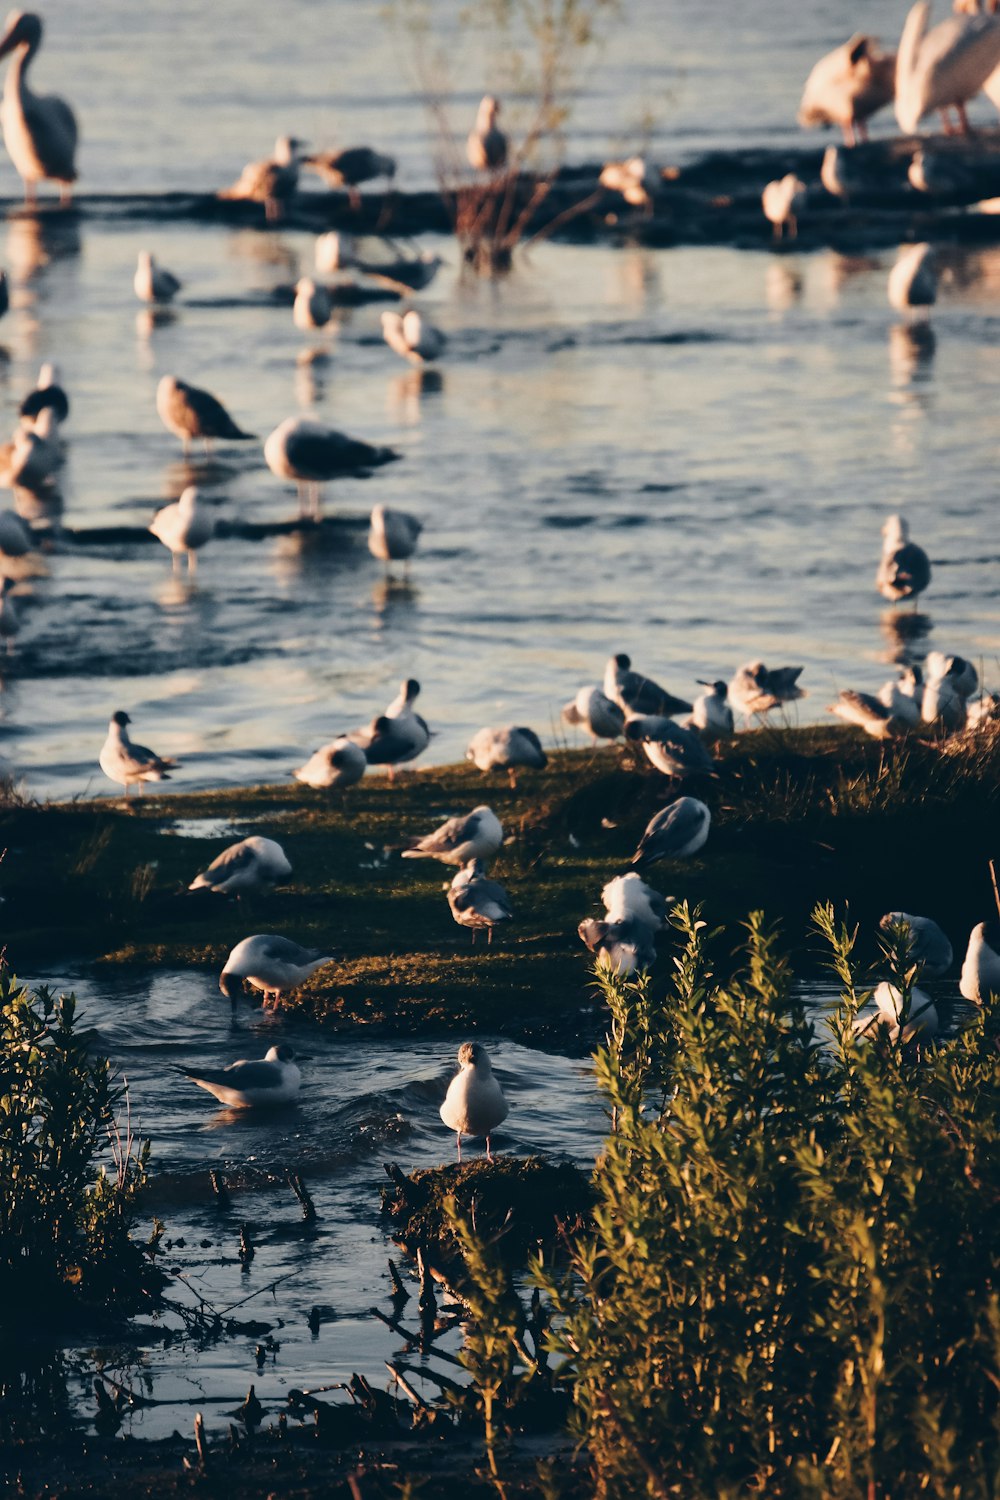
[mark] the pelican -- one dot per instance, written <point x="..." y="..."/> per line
<point x="943" y="68"/>
<point x="312" y="453"/>
<point x="249" y="1085"/>
<point x="393" y="534"/>
<point x="273" y="181"/>
<point x="602" y="718"/>
<point x="904" y="569"/>
<point x="190" y="413"/>
<point x="981" y="969"/>
<point x="926" y="945"/>
<point x="476" y="836"/>
<point x="486" y="147"/>
<point x="782" y="201"/>
<point x="183" y="527"/>
<point x="269" y="963"/>
<point x="47" y="393"/>
<point x="509" y="747"/>
<point x="674" y="832"/>
<point x="476" y="901"/>
<point x="913" y="279"/>
<point x="636" y="694"/>
<point x="350" y="167"/>
<point x="848" y="86"/>
<point x="711" y="714"/>
<point x="474" y="1104"/>
<point x="39" y="132"/>
<point x="128" y="763"/>
<point x="672" y="749"/>
<point x="254" y="864"/>
<point x="340" y="763"/>
<point x="409" y="336"/>
<point x="154" y="283"/>
<point x="313" y="307"/>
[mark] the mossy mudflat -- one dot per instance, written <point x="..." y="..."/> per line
<point x="798" y="816"/>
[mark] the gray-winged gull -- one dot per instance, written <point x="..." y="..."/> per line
<point x="637" y="694"/>
<point x="486" y="146"/>
<point x="310" y="453"/>
<point x="711" y="715"/>
<point x="184" y="527"/>
<point x="350" y="167"/>
<point x="341" y="763"/>
<point x="393" y="534"/>
<point x="411" y="336"/>
<point x="269" y="963"/>
<point x="506" y="748"/>
<point x="477" y="901"/>
<point x="594" y="711"/>
<point x="275" y="1079"/>
<point x="756" y="689"/>
<point x="674" y="832"/>
<point x="474" y="1104"/>
<point x="672" y="749"/>
<point x="904" y="569"/>
<point x="189" y="412"/>
<point x="127" y="763"/>
<point x="254" y="864"/>
<point x="273" y="181"/>
<point x="927" y="945"/>
<point x="153" y="282"/>
<point x="477" y="835"/>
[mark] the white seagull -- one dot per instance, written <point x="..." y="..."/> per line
<point x="152" y="282"/>
<point x="393" y="534"/>
<point x="927" y="945"/>
<point x="273" y="964"/>
<point x="39" y="131"/>
<point x="397" y="736"/>
<point x="904" y="695"/>
<point x="672" y="749"/>
<point x="594" y="711"/>
<point x="981" y="968"/>
<point x="252" y="1085"/>
<point x="783" y="201"/>
<point x="313" y="306"/>
<point x="477" y="835"/>
<point x="130" y="764"/>
<point x="757" y="689"/>
<point x="486" y="147"/>
<point x="474" y="1104"/>
<point x="711" y="715"/>
<point x="350" y="167"/>
<point x="636" y="694"/>
<point x="675" y="832"/>
<point x="254" y="864"/>
<point x="339" y="764"/>
<point x="408" y="335"/>
<point x="476" y="901"/>
<point x="630" y="896"/>
<point x="624" y="945"/>
<point x="511" y="746"/>
<point x="183" y="527"/>
<point x="921" y="1018"/>
<point x="904" y="569"/>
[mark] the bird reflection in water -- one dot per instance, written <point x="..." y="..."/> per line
<point x="911" y="352"/>
<point x="149" y="319"/>
<point x="782" y="286"/>
<point x="395" y="603"/>
<point x="34" y="241"/>
<point x="902" y="632"/>
<point x="407" y="391"/>
<point x="265" y="249"/>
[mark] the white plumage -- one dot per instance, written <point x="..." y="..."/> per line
<point x="921" y="1018"/>
<point x="913" y="279"/>
<point x="270" y="963"/>
<point x="254" y="864"/>
<point x="474" y="1104"/>
<point x="183" y="527"/>
<point x="410" y="336"/>
<point x="341" y="763"/>
<point x="393" y="534"/>
<point x="275" y="1079"/>
<point x="594" y="711"/>
<point x="981" y="966"/>
<point x="783" y="202"/>
<point x="153" y="282"/>
<point x="478" y="835"/>
<point x="508" y="747"/>
<point x="127" y="763"/>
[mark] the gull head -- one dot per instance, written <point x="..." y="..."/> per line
<point x="23" y="29"/>
<point x="121" y="719"/>
<point x="281" y="1053"/>
<point x="472" y="1055"/>
<point x="411" y="689"/>
<point x="623" y="661"/>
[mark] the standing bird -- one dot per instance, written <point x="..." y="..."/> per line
<point x="943" y="68"/>
<point x="351" y="167"/>
<point x="509" y="747"/>
<point x="981" y="969"/>
<point x="624" y="946"/>
<point x="675" y="832"/>
<point x="33" y="454"/>
<point x="476" y="901"/>
<point x="594" y="711"/>
<point x="273" y="181"/>
<point x="39" y="131"/>
<point x="474" y="1104"/>
<point x="913" y="279"/>
<point x="313" y="306"/>
<point x="409" y="336"/>
<point x="711" y="714"/>
<point x="848" y="86"/>
<point x="269" y="963"/>
<point x="458" y="840"/>
<point x="183" y="527"/>
<point x="926" y="945"/>
<point x="783" y="201"/>
<point x="756" y="689"/>
<point x="189" y="413"/>
<point x="252" y="1085"/>
<point x="253" y="865"/>
<point x="904" y="570"/>
<point x="397" y="736"/>
<point x="153" y="283"/>
<point x="47" y="395"/>
<point x="131" y="764"/>
<point x="486" y="147"/>
<point x="636" y="694"/>
<point x="341" y="763"/>
<point x="10" y="615"/>
<point x="393" y="535"/>
<point x="311" y="453"/>
<point x="950" y="682"/>
<point x="672" y="749"/>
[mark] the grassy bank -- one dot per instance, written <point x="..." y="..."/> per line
<point x="799" y="816"/>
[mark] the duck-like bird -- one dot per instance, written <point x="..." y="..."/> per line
<point x="254" y="864"/>
<point x="252" y="1085"/>
<point x="458" y="840"/>
<point x="311" y="453"/>
<point x="476" y="901"/>
<point x="269" y="963"/>
<point x="351" y="167"/>
<point x="509" y="747"/>
<point x="40" y="132"/>
<point x="189" y="413"/>
<point x="183" y="527"/>
<point x="152" y="282"/>
<point x="945" y="67"/>
<point x="904" y="569"/>
<point x="474" y="1104"/>
<point x="409" y="336"/>
<point x="340" y="763"/>
<point x="848" y="86"/>
<point x="486" y="147"/>
<point x="130" y="764"/>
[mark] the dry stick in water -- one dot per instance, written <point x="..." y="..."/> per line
<point x="399" y="1292"/>
<point x="199" y="1441"/>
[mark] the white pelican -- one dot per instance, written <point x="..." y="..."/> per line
<point x="486" y="147"/>
<point x="250" y="1085"/>
<point x="313" y="306"/>
<point x="183" y="527"/>
<point x="672" y="749"/>
<point x="269" y="963"/>
<point x="409" y="336"/>
<point x="921" y="1019"/>
<point x="152" y="282"/>
<point x="131" y="764"/>
<point x="10" y="615"/>
<point x="675" y="832"/>
<point x="310" y="453"/>
<point x="913" y="279"/>
<point x="904" y="569"/>
<point x="636" y="694"/>
<point x="273" y="181"/>
<point x="981" y="969"/>
<point x="783" y="201"/>
<point x="190" y="413"/>
<point x="848" y="86"/>
<point x="594" y="711"/>
<point x="476" y="901"/>
<point x="757" y="689"/>
<point x="340" y="763"/>
<point x="350" y="167"/>
<point x="943" y="68"/>
<point x="474" y="1104"/>
<point x="507" y="748"/>
<point x="393" y="534"/>
<point x="39" y="131"/>
<point x="711" y="714"/>
<point x="254" y="864"/>
<point x="476" y="836"/>
<point x="926" y="945"/>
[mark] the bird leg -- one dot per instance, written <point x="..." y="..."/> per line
<point x="65" y="194"/>
<point x="30" y="196"/>
<point x="511" y="777"/>
<point x="354" y="198"/>
<point x="489" y="935"/>
<point x="458" y="1138"/>
<point x="176" y="562"/>
<point x="489" y="1153"/>
<point x="192" y="558"/>
<point x="963" y="119"/>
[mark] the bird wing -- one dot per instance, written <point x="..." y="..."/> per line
<point x="283" y="950"/>
<point x="212" y="418"/>
<point x="229" y="863"/>
<point x="592" y="932"/>
<point x="141" y="755"/>
<point x="451" y="835"/>
<point x="239" y="1075"/>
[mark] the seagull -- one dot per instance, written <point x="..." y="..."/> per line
<point x="848" y="86"/>
<point x="486" y="147"/>
<point x="313" y="306"/>
<point x="408" y="335"/>
<point x="756" y="690"/>
<point x="250" y="1085"/>
<point x="393" y="534"/>
<point x="509" y="747"/>
<point x="254" y="864"/>
<point x="477" y="835"/>
<point x="334" y="251"/>
<point x="868" y="713"/>
<point x="636" y="694"/>
<point x="32" y="457"/>
<point x="48" y="393"/>
<point x="273" y="181"/>
<point x="269" y="963"/>
<point x="674" y="832"/>
<point x="960" y="672"/>
<point x="630" y="896"/>
<point x="940" y="175"/>
<point x="39" y="131"/>
<point x="189" y="413"/>
<point x="10" y="615"/>
<point x="950" y="682"/>
<point x="783" y="202"/>
<point x="672" y="749"/>
<point x="476" y="901"/>
<point x="397" y="736"/>
<point x="926" y="944"/>
<point x="985" y="710"/>
<point x="311" y="453"/>
<point x="474" y="1104"/>
<point x="904" y="570"/>
<point x="943" y="68"/>
<point x="350" y="167"/>
<point x="594" y="711"/>
<point x="634" y="179"/>
<point x="338" y="764"/>
<point x="981" y="969"/>
<point x="126" y="763"/>
<point x="921" y="1019"/>
<point x="15" y="537"/>
<point x="183" y="527"/>
<point x="624" y="946"/>
<point x="913" y="279"/>
<point x="154" y="283"/>
<point x="904" y="695"/>
<point x="711" y="714"/>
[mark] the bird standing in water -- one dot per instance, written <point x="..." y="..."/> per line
<point x="474" y="1104"/>
<point x="39" y="131"/>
